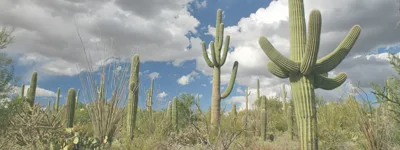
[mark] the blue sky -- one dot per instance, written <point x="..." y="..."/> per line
<point x="236" y="16"/>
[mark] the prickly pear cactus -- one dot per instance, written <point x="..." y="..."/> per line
<point x="304" y="71"/>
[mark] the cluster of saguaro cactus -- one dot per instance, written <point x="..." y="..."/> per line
<point x="174" y="114"/>
<point x="149" y="100"/>
<point x="305" y="72"/>
<point x="70" y="108"/>
<point x="216" y="63"/>
<point x="30" y="97"/>
<point x="133" y="97"/>
<point x="264" y="121"/>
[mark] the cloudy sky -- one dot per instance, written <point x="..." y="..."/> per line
<point x="167" y="36"/>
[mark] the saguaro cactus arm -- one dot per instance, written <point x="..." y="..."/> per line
<point x="312" y="45"/>
<point x="276" y="57"/>
<point x="330" y="61"/>
<point x="330" y="83"/>
<point x="225" y="50"/>
<point x="275" y="70"/>
<point x="205" y="55"/>
<point x="228" y="90"/>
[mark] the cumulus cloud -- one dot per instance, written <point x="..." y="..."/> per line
<point x="154" y="75"/>
<point x="108" y="28"/>
<point x="162" y="95"/>
<point x="40" y="92"/>
<point x="186" y="79"/>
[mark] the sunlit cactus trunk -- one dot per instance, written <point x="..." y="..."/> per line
<point x="133" y="97"/>
<point x="216" y="62"/>
<point x="69" y="118"/>
<point x="304" y="71"/>
<point x="32" y="90"/>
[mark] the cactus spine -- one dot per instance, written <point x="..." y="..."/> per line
<point x="133" y="96"/>
<point x="216" y="63"/>
<point x="32" y="89"/>
<point x="149" y="102"/>
<point x="304" y="71"/>
<point x="174" y="112"/>
<point x="69" y="122"/>
<point x="264" y="124"/>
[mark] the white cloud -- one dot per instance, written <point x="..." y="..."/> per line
<point x="239" y="90"/>
<point x="40" y="92"/>
<point x="186" y="79"/>
<point x="154" y="75"/>
<point x="162" y="95"/>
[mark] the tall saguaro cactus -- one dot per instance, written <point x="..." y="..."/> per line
<point x="149" y="101"/>
<point x="32" y="89"/>
<point x="216" y="63"/>
<point x="133" y="96"/>
<point x="234" y="112"/>
<point x="69" y="121"/>
<point x="304" y="71"/>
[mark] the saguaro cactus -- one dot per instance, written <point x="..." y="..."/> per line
<point x="133" y="96"/>
<point x="32" y="89"/>
<point x="69" y="121"/>
<point x="22" y="92"/>
<point x="264" y="123"/>
<point x="77" y="98"/>
<point x="149" y="102"/>
<point x="174" y="112"/>
<point x="258" y="88"/>
<point x="284" y="94"/>
<point x="304" y="71"/>
<point x="217" y="62"/>
<point x="56" y="107"/>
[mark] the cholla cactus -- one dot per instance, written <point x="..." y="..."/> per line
<point x="304" y="71"/>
